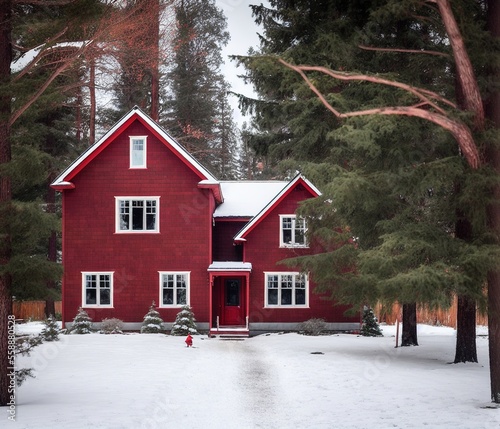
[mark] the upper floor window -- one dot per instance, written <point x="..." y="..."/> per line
<point x="138" y="152"/>
<point x="288" y="289"/>
<point x="137" y="214"/>
<point x="174" y="289"/>
<point x="292" y="231"/>
<point x="97" y="289"/>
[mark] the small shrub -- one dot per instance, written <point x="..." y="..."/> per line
<point x="82" y="323"/>
<point x="370" y="326"/>
<point x="185" y="323"/>
<point x="312" y="327"/>
<point x="111" y="326"/>
<point x="153" y="323"/>
<point x="51" y="330"/>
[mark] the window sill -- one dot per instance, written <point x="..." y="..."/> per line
<point x="97" y="306"/>
<point x="286" y="307"/>
<point x="138" y="232"/>
<point x="294" y="246"/>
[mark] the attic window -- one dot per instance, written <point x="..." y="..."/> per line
<point x="292" y="231"/>
<point x="138" y="152"/>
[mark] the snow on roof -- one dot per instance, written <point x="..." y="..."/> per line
<point x="230" y="266"/>
<point x="246" y="198"/>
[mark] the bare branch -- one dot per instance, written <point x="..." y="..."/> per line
<point x="458" y="129"/>
<point x="465" y="72"/>
<point x="409" y="51"/>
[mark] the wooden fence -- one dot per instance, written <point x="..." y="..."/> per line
<point x="447" y="317"/>
<point x="34" y="310"/>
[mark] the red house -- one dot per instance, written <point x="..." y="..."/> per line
<point x="143" y="221"/>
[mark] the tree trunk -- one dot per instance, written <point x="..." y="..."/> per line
<point x="465" y="350"/>
<point x="50" y="200"/>
<point x="409" y="333"/>
<point x="493" y="159"/>
<point x="155" y="67"/>
<point x="5" y="195"/>
<point x="93" y="102"/>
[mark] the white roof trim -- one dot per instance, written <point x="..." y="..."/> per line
<point x="209" y="178"/>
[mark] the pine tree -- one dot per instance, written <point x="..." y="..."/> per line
<point x="82" y="323"/>
<point x="370" y="326"/>
<point x="185" y="322"/>
<point x="51" y="330"/>
<point x="153" y="323"/>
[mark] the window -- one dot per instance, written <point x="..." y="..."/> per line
<point x="138" y="152"/>
<point x="174" y="289"/>
<point x="293" y="231"/>
<point x="137" y="214"/>
<point x="97" y="289"/>
<point x="286" y="290"/>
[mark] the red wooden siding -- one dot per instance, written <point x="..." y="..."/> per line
<point x="224" y="248"/>
<point x="91" y="244"/>
<point x="263" y="251"/>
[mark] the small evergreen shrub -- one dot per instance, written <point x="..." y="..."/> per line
<point x="312" y="327"/>
<point x="111" y="326"/>
<point x="82" y="323"/>
<point x="153" y="323"/>
<point x="185" y="323"/>
<point x="51" y="330"/>
<point x="370" y="326"/>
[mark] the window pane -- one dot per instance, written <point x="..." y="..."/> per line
<point x="124" y="215"/>
<point x="168" y="296"/>
<point x="137" y="215"/>
<point x="286" y="297"/>
<point x="91" y="297"/>
<point x="300" y="296"/>
<point x="150" y="214"/>
<point x="181" y="296"/>
<point x="272" y="297"/>
<point x="105" y="297"/>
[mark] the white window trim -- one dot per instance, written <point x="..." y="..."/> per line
<point x="293" y="244"/>
<point x="188" y="288"/>
<point x="84" y="289"/>
<point x="144" y="163"/>
<point x="279" y="305"/>
<point x="137" y="231"/>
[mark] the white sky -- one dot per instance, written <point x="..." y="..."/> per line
<point x="243" y="31"/>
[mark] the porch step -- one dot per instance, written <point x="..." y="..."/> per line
<point x="230" y="333"/>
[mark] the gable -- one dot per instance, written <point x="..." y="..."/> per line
<point x="280" y="197"/>
<point x="207" y="180"/>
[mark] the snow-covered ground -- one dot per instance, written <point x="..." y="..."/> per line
<point x="270" y="381"/>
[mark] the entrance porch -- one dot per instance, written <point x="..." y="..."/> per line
<point x="229" y="298"/>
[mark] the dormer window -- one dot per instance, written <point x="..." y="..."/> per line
<point x="138" y="152"/>
<point x="292" y="231"/>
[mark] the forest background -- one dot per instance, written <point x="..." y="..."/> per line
<point x="391" y="108"/>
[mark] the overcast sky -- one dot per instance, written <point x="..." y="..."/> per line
<point x="243" y="31"/>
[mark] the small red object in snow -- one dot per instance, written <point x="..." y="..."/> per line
<point x="189" y="340"/>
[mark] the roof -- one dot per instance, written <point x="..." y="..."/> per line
<point x="299" y="179"/>
<point x="207" y="180"/>
<point x="246" y="198"/>
<point x="230" y="266"/>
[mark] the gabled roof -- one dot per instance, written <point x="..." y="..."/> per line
<point x="207" y="180"/>
<point x="246" y="198"/>
<point x="280" y="196"/>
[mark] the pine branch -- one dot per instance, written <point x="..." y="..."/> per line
<point x="409" y="51"/>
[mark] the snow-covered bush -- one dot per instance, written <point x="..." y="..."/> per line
<point x="312" y="327"/>
<point x="51" y="330"/>
<point x="370" y="326"/>
<point x="185" y="323"/>
<point x="153" y="323"/>
<point x="111" y="326"/>
<point x="82" y="323"/>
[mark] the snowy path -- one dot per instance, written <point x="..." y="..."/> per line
<point x="272" y="382"/>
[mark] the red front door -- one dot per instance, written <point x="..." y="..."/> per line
<point x="233" y="308"/>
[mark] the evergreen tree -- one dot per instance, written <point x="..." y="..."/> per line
<point x="185" y="322"/>
<point x="370" y="326"/>
<point x="197" y="112"/>
<point x="50" y="331"/>
<point x="153" y="323"/>
<point x="82" y="323"/>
